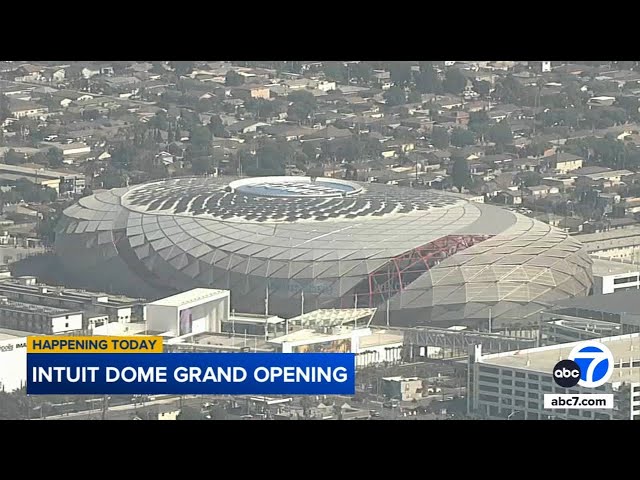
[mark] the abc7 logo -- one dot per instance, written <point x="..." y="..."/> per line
<point x="590" y="365"/>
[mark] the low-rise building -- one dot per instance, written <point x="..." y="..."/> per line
<point x="614" y="276"/>
<point x="13" y="359"/>
<point x="402" y="388"/>
<point x="38" y="318"/>
<point x="512" y="385"/>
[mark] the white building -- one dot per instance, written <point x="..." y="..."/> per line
<point x="610" y="276"/>
<point x="379" y="347"/>
<point x="194" y="311"/>
<point x="67" y="149"/>
<point x="513" y="384"/>
<point x="13" y="359"/>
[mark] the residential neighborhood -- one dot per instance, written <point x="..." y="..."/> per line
<point x="558" y="141"/>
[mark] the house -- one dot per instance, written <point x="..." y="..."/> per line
<point x="140" y="67"/>
<point x="563" y="162"/>
<point x="287" y="131"/>
<point x="449" y="102"/>
<point x="542" y="190"/>
<point x="457" y="116"/>
<point x="328" y="133"/>
<point x="26" y="109"/>
<point x="167" y="412"/>
<point x="29" y="73"/>
<point x="251" y="91"/>
<point x="585" y="171"/>
<point x="164" y="158"/>
<point x="67" y="97"/>
<point x="527" y="164"/>
<point x="54" y="75"/>
<point x="500" y="160"/>
<point x="245" y="126"/>
<point x="560" y="181"/>
<point x="571" y="224"/>
<point x="123" y="85"/>
<point x="612" y="177"/>
<point x="89" y="71"/>
<point x="509" y="197"/>
<point x="601" y="101"/>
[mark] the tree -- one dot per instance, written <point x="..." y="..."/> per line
<point x="500" y="133"/>
<point x="479" y="123"/>
<point x="537" y="148"/>
<point x="361" y="71"/>
<point x="233" y="79"/>
<point x="39" y="158"/>
<point x="201" y="138"/>
<point x="482" y="87"/>
<point x="216" y="126"/>
<point x="182" y="67"/>
<point x="122" y="156"/>
<point x="508" y="90"/>
<point x="5" y="110"/>
<point x="395" y="96"/>
<point x="12" y="406"/>
<point x="303" y="105"/>
<point x="310" y="150"/>
<point x="335" y="71"/>
<point x="13" y="158"/>
<point x="529" y="179"/>
<point x="454" y="81"/>
<point x="55" y="157"/>
<point x="427" y="81"/>
<point x="189" y="413"/>
<point x="202" y="165"/>
<point x="160" y="121"/>
<point x="400" y="73"/>
<point x="462" y="138"/>
<point x="440" y="137"/>
<point x="414" y="97"/>
<point x="270" y="159"/>
<point x="460" y="173"/>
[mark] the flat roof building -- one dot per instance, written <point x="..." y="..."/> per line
<point x="13" y="359"/>
<point x="195" y="311"/>
<point x="38" y="318"/>
<point x="513" y="384"/>
<point x="615" y="276"/>
<point x="117" y="308"/>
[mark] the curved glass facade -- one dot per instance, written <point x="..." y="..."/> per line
<point x="435" y="257"/>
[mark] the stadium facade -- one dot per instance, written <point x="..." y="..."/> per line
<point x="296" y="243"/>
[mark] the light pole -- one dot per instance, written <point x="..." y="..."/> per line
<point x="515" y="412"/>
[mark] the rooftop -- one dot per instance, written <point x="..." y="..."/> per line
<point x="254" y="319"/>
<point x="543" y="359"/>
<point x="614" y="303"/>
<point x="191" y="296"/>
<point x="225" y="341"/>
<point x="335" y="316"/>
<point x="23" y="307"/>
<point x="603" y="267"/>
<point x="8" y="334"/>
<point x="378" y="339"/>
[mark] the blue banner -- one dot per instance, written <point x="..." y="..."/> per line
<point x="191" y="374"/>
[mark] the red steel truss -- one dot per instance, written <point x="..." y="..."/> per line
<point x="400" y="271"/>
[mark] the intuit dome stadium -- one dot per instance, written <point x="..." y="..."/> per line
<point x="294" y="242"/>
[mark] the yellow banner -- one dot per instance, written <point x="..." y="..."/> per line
<point x="97" y="344"/>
